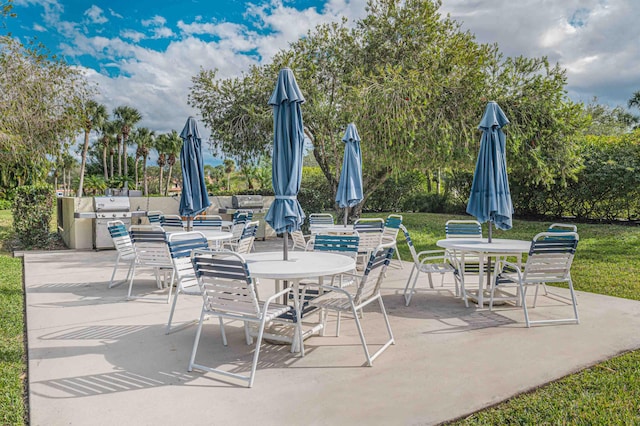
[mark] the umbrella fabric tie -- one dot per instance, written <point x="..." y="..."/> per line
<point x="286" y="197"/>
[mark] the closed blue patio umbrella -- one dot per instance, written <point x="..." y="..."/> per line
<point x="285" y="214"/>
<point x="194" y="198"/>
<point x="490" y="199"/>
<point x="349" y="192"/>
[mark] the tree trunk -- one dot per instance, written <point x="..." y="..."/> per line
<point x="119" y="156"/>
<point x="124" y="157"/>
<point x="136" y="170"/>
<point x="438" y="183"/>
<point x="161" y="182"/>
<point x="83" y="162"/>
<point x="105" y="170"/>
<point x="111" y="160"/>
<point x="144" y="177"/>
<point x="166" y="192"/>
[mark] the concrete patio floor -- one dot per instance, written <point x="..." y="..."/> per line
<point x="95" y="358"/>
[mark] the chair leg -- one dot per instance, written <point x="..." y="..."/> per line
<point x="362" y="339"/>
<point x="256" y="353"/>
<point x="173" y="308"/>
<point x="133" y="274"/>
<point x="407" y="296"/>
<point x="430" y="280"/>
<point x="196" y="341"/>
<point x="574" y="300"/>
<point x="523" y="292"/>
<point x="338" y="324"/>
<point x="113" y="274"/>
<point x="224" y="335"/>
<point x="247" y="334"/>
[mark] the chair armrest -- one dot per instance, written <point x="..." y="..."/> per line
<point x="502" y="265"/>
<point x="278" y="294"/>
<point x="333" y="288"/>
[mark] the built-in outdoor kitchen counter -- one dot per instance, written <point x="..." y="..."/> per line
<point x="76" y="216"/>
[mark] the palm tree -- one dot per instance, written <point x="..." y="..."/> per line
<point x="229" y="167"/>
<point x="143" y="138"/>
<point x="174" y="144"/>
<point x="93" y="115"/>
<point x="127" y="117"/>
<point x="635" y="100"/>
<point x="160" y="145"/>
<point x="108" y="143"/>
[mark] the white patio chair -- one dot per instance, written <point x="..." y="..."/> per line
<point x="228" y="292"/>
<point x="150" y="246"/>
<point x="124" y="246"/>
<point x="429" y="262"/>
<point x="464" y="229"/>
<point x="354" y="298"/>
<point x="367" y="243"/>
<point x="549" y="261"/>
<point x="181" y="245"/>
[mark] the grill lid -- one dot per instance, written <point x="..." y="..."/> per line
<point x="247" y="202"/>
<point x="111" y="204"/>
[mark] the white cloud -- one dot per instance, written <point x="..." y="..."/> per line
<point x="156" y="21"/>
<point x="595" y="40"/>
<point x="162" y="32"/>
<point x="96" y="15"/>
<point x="133" y="35"/>
<point x="115" y="14"/>
<point x="39" y="28"/>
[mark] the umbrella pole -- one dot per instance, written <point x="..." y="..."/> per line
<point x="285" y="249"/>
<point x="489" y="260"/>
<point x="346" y="215"/>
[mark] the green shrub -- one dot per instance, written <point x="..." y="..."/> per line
<point x="392" y="195"/>
<point x="6" y="204"/>
<point x="32" y="211"/>
<point x="315" y="195"/>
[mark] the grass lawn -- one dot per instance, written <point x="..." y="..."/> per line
<point x="607" y="262"/>
<point x="12" y="355"/>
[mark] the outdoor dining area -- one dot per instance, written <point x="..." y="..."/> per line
<point x="324" y="321"/>
<point x="336" y="272"/>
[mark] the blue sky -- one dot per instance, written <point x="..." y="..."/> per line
<point x="143" y="53"/>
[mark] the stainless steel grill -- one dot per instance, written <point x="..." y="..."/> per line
<point x="105" y="210"/>
<point x="247" y="202"/>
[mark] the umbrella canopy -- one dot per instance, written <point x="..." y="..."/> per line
<point x="285" y="214"/>
<point x="349" y="191"/>
<point x="194" y="198"/>
<point x="490" y="199"/>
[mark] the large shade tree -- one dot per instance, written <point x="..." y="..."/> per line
<point x="414" y="83"/>
<point x="39" y="100"/>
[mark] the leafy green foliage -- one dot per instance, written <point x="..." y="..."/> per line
<point x="32" y="210"/>
<point x="44" y="92"/>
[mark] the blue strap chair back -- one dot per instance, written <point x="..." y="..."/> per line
<point x="345" y="244"/>
<point x="206" y="223"/>
<point x="171" y="221"/>
<point x="368" y="226"/>
<point x="249" y="231"/>
<point x="321" y="219"/>
<point x="374" y="273"/>
<point x="242" y="216"/>
<point x="463" y="229"/>
<point x="558" y="228"/>
<point x="118" y="230"/>
<point x="154" y="216"/>
<point x="554" y="243"/>
<point x="181" y="248"/>
<point x="148" y="236"/>
<point x="393" y="222"/>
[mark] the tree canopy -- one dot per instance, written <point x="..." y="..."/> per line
<point x="415" y="85"/>
<point x="40" y="96"/>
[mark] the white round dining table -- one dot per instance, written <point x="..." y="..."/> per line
<point x="300" y="265"/>
<point x="483" y="249"/>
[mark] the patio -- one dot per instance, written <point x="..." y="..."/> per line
<point x="95" y="358"/>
